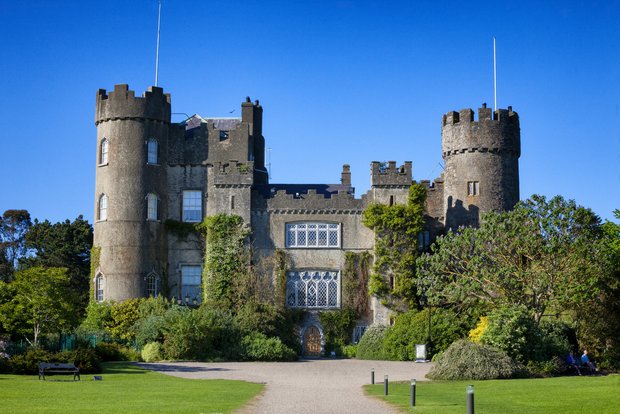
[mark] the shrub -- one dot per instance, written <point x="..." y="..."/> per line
<point x="370" y="345"/>
<point x="411" y="328"/>
<point x="149" y="329"/>
<point x="115" y="352"/>
<point x="554" y="366"/>
<point x="98" y="317"/>
<point x="466" y="360"/>
<point x="555" y="342"/>
<point x="124" y="317"/>
<point x="513" y="331"/>
<point x="152" y="352"/>
<point x="349" y="351"/>
<point x="153" y="307"/>
<point x="5" y="367"/>
<point x="475" y="335"/>
<point x="259" y="347"/>
<point x="337" y="328"/>
<point x="27" y="363"/>
<point x="85" y="359"/>
<point x="271" y="321"/>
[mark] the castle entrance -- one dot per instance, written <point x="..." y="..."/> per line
<point x="312" y="342"/>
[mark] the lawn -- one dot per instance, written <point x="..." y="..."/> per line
<point x="125" y="389"/>
<point x="592" y="395"/>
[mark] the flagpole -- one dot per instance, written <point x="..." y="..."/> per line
<point x="157" y="50"/>
<point x="494" y="75"/>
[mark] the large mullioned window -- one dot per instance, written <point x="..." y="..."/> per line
<point x="313" y="289"/>
<point x="322" y="235"/>
<point x="191" y="277"/>
<point x="192" y="206"/>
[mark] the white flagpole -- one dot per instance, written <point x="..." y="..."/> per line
<point x="157" y="51"/>
<point x="494" y="75"/>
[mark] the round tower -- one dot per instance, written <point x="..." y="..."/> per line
<point x="481" y="164"/>
<point x="131" y="192"/>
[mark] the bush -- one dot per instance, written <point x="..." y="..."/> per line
<point x="370" y="345"/>
<point x="28" y="363"/>
<point x="124" y="317"/>
<point x="98" y="317"/>
<point x="269" y="320"/>
<point x="259" y="347"/>
<point x="337" y="328"/>
<point x="552" y="367"/>
<point x="512" y="330"/>
<point x="5" y="367"/>
<point x="555" y="341"/>
<point x="149" y="329"/>
<point x="349" y="351"/>
<point x="411" y="328"/>
<point x="466" y="360"/>
<point x="85" y="359"/>
<point x="115" y="352"/>
<point x="152" y="352"/>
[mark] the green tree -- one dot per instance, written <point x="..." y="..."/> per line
<point x="65" y="244"/>
<point x="396" y="230"/>
<point x="13" y="227"/>
<point x="40" y="303"/>
<point x="544" y="255"/>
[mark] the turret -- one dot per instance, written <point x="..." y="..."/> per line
<point x="481" y="163"/>
<point x="131" y="192"/>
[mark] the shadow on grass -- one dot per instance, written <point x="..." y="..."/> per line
<point x="122" y="368"/>
<point x="178" y="368"/>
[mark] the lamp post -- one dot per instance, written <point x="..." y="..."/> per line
<point x="424" y="301"/>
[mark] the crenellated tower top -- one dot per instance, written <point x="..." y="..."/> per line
<point x="121" y="103"/>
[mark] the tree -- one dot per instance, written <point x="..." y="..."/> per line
<point x="543" y="255"/>
<point x="13" y="227"/>
<point x="40" y="304"/>
<point x="396" y="230"/>
<point x="64" y="244"/>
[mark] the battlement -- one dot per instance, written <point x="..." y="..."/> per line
<point x="121" y="103"/>
<point x="388" y="175"/>
<point x="465" y="116"/>
<point x="312" y="201"/>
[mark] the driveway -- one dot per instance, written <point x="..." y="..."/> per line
<point x="306" y="386"/>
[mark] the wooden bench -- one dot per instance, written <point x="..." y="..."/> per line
<point x="58" y="368"/>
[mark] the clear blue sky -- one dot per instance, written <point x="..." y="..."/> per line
<point x="339" y="81"/>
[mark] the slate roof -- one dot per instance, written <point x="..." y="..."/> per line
<point x="223" y="124"/>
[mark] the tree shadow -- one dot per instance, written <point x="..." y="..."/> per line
<point x="162" y="367"/>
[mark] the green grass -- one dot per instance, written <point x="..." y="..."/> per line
<point x="125" y="389"/>
<point x="592" y="395"/>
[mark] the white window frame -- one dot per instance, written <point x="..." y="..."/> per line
<point x="192" y="202"/>
<point x="152" y="151"/>
<point x="191" y="273"/>
<point x="152" y="207"/>
<point x="473" y="188"/>
<point x="152" y="283"/>
<point x="313" y="289"/>
<point x="102" y="208"/>
<point x="99" y="282"/>
<point x="103" y="151"/>
<point x="313" y="235"/>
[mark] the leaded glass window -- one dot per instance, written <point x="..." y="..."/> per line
<point x="308" y="235"/>
<point x="313" y="289"/>
<point x="191" y="277"/>
<point x="192" y="206"/>
<point x="103" y="207"/>
<point x="152" y="285"/>
<point x="152" y="151"/>
<point x="151" y="208"/>
<point x="103" y="152"/>
<point x="99" y="287"/>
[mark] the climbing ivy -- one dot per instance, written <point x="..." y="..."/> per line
<point x="95" y="258"/>
<point x="396" y="230"/>
<point x="180" y="229"/>
<point x="226" y="258"/>
<point x="355" y="282"/>
<point x="280" y="269"/>
<point x="337" y="327"/>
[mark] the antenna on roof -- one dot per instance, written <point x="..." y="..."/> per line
<point x="157" y="50"/>
<point x="269" y="162"/>
<point x="494" y="74"/>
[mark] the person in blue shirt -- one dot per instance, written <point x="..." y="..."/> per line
<point x="570" y="361"/>
<point x="585" y="361"/>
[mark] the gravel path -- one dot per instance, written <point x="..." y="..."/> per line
<point x="306" y="386"/>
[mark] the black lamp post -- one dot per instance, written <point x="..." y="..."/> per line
<point x="423" y="301"/>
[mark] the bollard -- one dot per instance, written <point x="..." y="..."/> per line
<point x="470" y="399"/>
<point x="385" y="385"/>
<point x="413" y="392"/>
<point x="372" y="376"/>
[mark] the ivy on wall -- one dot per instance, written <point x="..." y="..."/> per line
<point x="226" y="258"/>
<point x="355" y="278"/>
<point x="95" y="258"/>
<point x="396" y="231"/>
<point x="180" y="229"/>
<point x="281" y="267"/>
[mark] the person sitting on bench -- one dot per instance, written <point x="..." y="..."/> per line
<point x="570" y="361"/>
<point x="585" y="361"/>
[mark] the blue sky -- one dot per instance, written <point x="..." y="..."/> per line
<point x="340" y="82"/>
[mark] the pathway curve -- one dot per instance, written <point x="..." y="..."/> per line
<point x="306" y="386"/>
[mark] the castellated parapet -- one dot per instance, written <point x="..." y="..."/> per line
<point x="121" y="103"/>
<point x="389" y="175"/>
<point x="481" y="163"/>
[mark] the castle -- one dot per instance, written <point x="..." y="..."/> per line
<point x="151" y="171"/>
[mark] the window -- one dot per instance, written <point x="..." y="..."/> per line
<point x="103" y="152"/>
<point x="151" y="207"/>
<point x="313" y="235"/>
<point x="99" y="287"/>
<point x="223" y="135"/>
<point x="313" y="289"/>
<point x="152" y="151"/>
<point x="192" y="206"/>
<point x="103" y="207"/>
<point x="190" y="283"/>
<point x="424" y="240"/>
<point x="473" y="188"/>
<point x="152" y="285"/>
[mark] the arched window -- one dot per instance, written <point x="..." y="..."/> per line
<point x="313" y="289"/>
<point x="152" y="151"/>
<point x="103" y="207"/>
<point x="152" y="285"/>
<point x="151" y="207"/>
<point x="103" y="152"/>
<point x="99" y="287"/>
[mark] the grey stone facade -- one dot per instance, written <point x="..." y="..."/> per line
<point x="221" y="161"/>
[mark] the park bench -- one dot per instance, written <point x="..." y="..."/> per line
<point x="58" y="368"/>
